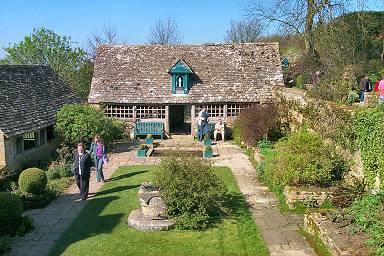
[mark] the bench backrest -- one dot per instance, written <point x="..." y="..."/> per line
<point x="149" y="127"/>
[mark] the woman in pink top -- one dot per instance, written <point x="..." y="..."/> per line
<point x="99" y="154"/>
<point x="381" y="91"/>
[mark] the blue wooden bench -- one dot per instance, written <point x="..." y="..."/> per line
<point x="145" y="128"/>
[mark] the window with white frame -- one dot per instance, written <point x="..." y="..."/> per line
<point x="120" y="111"/>
<point x="213" y="110"/>
<point x="150" y="112"/>
<point x="235" y="109"/>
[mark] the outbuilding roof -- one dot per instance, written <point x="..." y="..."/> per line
<point x="30" y="96"/>
<point x="139" y="74"/>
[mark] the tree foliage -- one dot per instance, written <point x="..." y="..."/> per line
<point x="243" y="31"/>
<point x="45" y="47"/>
<point x="165" y="32"/>
<point x="77" y="122"/>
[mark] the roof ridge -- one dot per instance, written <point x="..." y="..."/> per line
<point x="24" y="65"/>
<point x="178" y="45"/>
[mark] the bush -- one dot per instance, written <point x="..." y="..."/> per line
<point x="91" y="120"/>
<point x="11" y="210"/>
<point x="33" y="181"/>
<point x="5" y="244"/>
<point x="53" y="174"/>
<point x="369" y="126"/>
<point x="304" y="159"/>
<point x="254" y="123"/>
<point x="367" y="212"/>
<point x="190" y="190"/>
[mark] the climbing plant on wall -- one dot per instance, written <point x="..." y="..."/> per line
<point x="369" y="128"/>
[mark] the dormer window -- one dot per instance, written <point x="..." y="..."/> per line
<point x="180" y="78"/>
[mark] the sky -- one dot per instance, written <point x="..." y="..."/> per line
<point x="200" y="21"/>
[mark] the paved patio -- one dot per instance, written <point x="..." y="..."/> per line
<point x="280" y="230"/>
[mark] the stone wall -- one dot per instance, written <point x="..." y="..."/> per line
<point x="332" y="121"/>
<point x="312" y="197"/>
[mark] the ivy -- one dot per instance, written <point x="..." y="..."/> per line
<point x="369" y="128"/>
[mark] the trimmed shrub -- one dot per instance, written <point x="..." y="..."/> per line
<point x="304" y="159"/>
<point x="91" y="120"/>
<point x="33" y="181"/>
<point x="255" y="123"/>
<point x="190" y="190"/>
<point x="11" y="210"/>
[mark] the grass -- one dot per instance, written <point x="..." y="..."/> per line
<point x="277" y="190"/>
<point x="101" y="229"/>
<point x="316" y="243"/>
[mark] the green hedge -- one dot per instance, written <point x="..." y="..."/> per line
<point x="369" y="127"/>
<point x="190" y="190"/>
<point x="303" y="159"/>
<point x="11" y="210"/>
<point x="33" y="181"/>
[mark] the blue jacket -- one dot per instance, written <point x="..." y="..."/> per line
<point x="93" y="149"/>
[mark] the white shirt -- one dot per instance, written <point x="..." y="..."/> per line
<point x="80" y="157"/>
<point x="200" y="117"/>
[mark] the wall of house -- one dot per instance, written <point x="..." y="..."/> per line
<point x="16" y="161"/>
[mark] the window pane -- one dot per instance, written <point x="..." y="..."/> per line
<point x="30" y="140"/>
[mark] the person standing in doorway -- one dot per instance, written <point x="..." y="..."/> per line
<point x="202" y="122"/>
<point x="99" y="154"/>
<point x="81" y="168"/>
<point x="363" y="88"/>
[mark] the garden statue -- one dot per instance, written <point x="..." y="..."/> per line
<point x="152" y="214"/>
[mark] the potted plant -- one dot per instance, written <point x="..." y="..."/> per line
<point x="149" y="139"/>
<point x="208" y="153"/>
<point x="207" y="139"/>
<point x="142" y="150"/>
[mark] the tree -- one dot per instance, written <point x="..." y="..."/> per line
<point x="298" y="16"/>
<point x="243" y="31"/>
<point x="165" y="33"/>
<point x="45" y="47"/>
<point x="108" y="36"/>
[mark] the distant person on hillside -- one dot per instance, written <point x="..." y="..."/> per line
<point x="381" y="91"/>
<point x="376" y="89"/>
<point x="363" y="87"/>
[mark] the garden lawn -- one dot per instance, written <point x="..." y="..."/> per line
<point x="101" y="229"/>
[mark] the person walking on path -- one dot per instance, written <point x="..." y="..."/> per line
<point x="363" y="87"/>
<point x="81" y="168"/>
<point x="381" y="91"/>
<point x="99" y="154"/>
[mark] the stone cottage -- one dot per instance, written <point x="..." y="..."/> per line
<point x="171" y="83"/>
<point x="30" y="96"/>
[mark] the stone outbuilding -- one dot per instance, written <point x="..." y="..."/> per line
<point x="30" y="96"/>
<point x="171" y="83"/>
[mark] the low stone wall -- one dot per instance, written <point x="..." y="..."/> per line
<point x="316" y="224"/>
<point x="313" y="197"/>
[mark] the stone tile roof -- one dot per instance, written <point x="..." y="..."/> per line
<point x="222" y="73"/>
<point x="30" y="96"/>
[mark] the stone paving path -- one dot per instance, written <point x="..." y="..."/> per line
<point x="51" y="221"/>
<point x="280" y="230"/>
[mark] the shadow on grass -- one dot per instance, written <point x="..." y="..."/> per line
<point x="113" y="190"/>
<point x="89" y="223"/>
<point x="233" y="206"/>
<point x="126" y="175"/>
